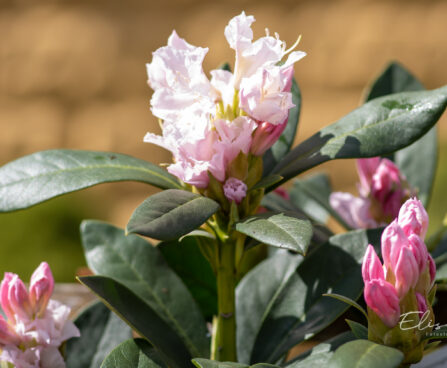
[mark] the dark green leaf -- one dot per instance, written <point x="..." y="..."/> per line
<point x="279" y="230"/>
<point x="360" y="331"/>
<point x="101" y="331"/>
<point x="140" y="267"/>
<point x="206" y="363"/>
<point x="348" y="301"/>
<point x="379" y="127"/>
<point x="311" y="195"/>
<point x="186" y="259"/>
<point x="142" y="318"/>
<point x="253" y="295"/>
<point x="43" y="175"/>
<point x="365" y="354"/>
<point x="267" y="181"/>
<point x="299" y="310"/>
<point x="170" y="214"/>
<point x="417" y="161"/>
<point x="285" y="141"/>
<point x="438" y="333"/>
<point x="134" y="353"/>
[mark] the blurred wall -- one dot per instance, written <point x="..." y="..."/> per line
<point x="72" y="73"/>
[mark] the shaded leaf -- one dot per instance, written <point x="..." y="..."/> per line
<point x="360" y="331"/>
<point x="170" y="214"/>
<point x="140" y="267"/>
<point x="379" y="127"/>
<point x="282" y="230"/>
<point x="101" y="331"/>
<point x="365" y="354"/>
<point x="43" y="175"/>
<point x="134" y="353"/>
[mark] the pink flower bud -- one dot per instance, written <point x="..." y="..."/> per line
<point x="283" y="193"/>
<point x="19" y="299"/>
<point x="265" y="136"/>
<point x="432" y="269"/>
<point x="7" y="334"/>
<point x="393" y="239"/>
<point x="422" y="303"/>
<point x="406" y="271"/>
<point x="366" y="167"/>
<point x="4" y="292"/>
<point x="382" y="298"/>
<point x="413" y="218"/>
<point x="41" y="287"/>
<point x="419" y="250"/>
<point x="372" y="268"/>
<point x="235" y="190"/>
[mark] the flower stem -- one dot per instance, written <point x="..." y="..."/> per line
<point x="224" y="324"/>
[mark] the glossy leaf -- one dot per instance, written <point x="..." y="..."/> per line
<point x="43" y="175"/>
<point x="142" y="318"/>
<point x="365" y="354"/>
<point x="133" y="353"/>
<point x="285" y="141"/>
<point x="170" y="214"/>
<point x="140" y="267"/>
<point x="379" y="127"/>
<point x="311" y="195"/>
<point x="267" y="181"/>
<point x="417" y="161"/>
<point x="101" y="331"/>
<point x="281" y="230"/>
<point x="188" y="262"/>
<point x="298" y="310"/>
<point x="349" y="301"/>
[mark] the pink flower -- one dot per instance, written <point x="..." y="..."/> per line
<point x="235" y="190"/>
<point x="413" y="218"/>
<point x="372" y="268"/>
<point x="382" y="298"/>
<point x="382" y="190"/>
<point x="406" y="271"/>
<point x="37" y="325"/>
<point x="422" y="303"/>
<point x="265" y="136"/>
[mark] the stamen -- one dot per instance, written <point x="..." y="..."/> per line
<point x="293" y="46"/>
<point x="267" y="32"/>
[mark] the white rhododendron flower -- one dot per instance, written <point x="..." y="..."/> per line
<point x="207" y="123"/>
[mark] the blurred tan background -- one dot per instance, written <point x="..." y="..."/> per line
<point x="72" y="75"/>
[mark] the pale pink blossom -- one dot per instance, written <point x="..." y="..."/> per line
<point x="41" y="287"/>
<point x="405" y="271"/>
<point x="235" y="190"/>
<point x="366" y="167"/>
<point x="265" y="136"/>
<point x="372" y="267"/>
<point x="413" y="218"/>
<point x="353" y="210"/>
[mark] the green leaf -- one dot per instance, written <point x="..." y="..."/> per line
<point x="188" y="262"/>
<point x="349" y="301"/>
<point x="206" y="363"/>
<point x="439" y="333"/>
<point x="140" y="267"/>
<point x="43" y="175"/>
<point x="311" y="195"/>
<point x="365" y="354"/>
<point x="379" y="127"/>
<point x="417" y="161"/>
<point x="101" y="330"/>
<point x="360" y="331"/>
<point x="320" y="355"/>
<point x="281" y="230"/>
<point x="285" y="141"/>
<point x="267" y="181"/>
<point x="253" y="295"/>
<point x="170" y="214"/>
<point x="142" y="318"/>
<point x="134" y="353"/>
<point x="299" y="310"/>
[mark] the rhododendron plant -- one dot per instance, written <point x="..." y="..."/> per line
<point x="206" y="287"/>
<point x="36" y="325"/>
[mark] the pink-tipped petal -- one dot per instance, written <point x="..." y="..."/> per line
<point x="265" y="136"/>
<point x="382" y="298"/>
<point x="353" y="210"/>
<point x="372" y="267"/>
<point x="41" y="287"/>
<point x="419" y="250"/>
<point x="422" y="303"/>
<point x="366" y="168"/>
<point x="7" y="334"/>
<point x="413" y="218"/>
<point x="4" y="292"/>
<point x="406" y="271"/>
<point x="432" y="269"/>
<point x="19" y="299"/>
<point x="393" y="239"/>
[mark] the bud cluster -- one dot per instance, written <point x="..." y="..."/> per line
<point x="399" y="293"/>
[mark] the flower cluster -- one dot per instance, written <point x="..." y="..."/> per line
<point x="36" y="326"/>
<point x="382" y="189"/>
<point x="206" y="123"/>
<point x="403" y="285"/>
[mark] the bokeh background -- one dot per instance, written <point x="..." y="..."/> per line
<point x="72" y="75"/>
